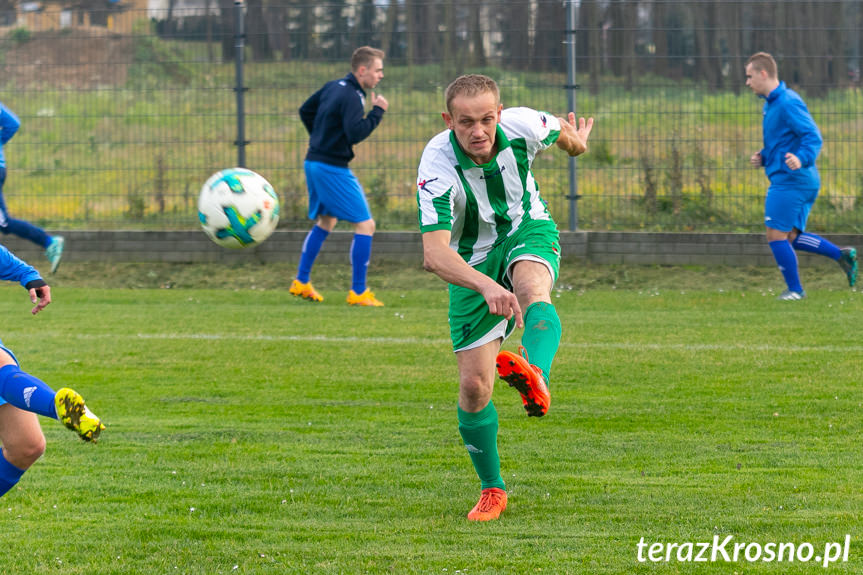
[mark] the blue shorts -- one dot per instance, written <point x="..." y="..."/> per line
<point x="788" y="208"/>
<point x="15" y="359"/>
<point x="335" y="191"/>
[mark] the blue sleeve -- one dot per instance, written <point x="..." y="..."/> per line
<point x="804" y="127"/>
<point x="309" y="110"/>
<point x="356" y="127"/>
<point x="9" y="124"/>
<point x="16" y="270"/>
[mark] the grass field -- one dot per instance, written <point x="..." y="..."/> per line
<point x="249" y="432"/>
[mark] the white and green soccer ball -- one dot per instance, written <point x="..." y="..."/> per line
<point x="238" y="208"/>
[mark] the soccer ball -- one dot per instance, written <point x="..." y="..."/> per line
<point x="238" y="208"/>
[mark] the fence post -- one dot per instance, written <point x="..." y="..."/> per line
<point x="239" y="45"/>
<point x="571" y="87"/>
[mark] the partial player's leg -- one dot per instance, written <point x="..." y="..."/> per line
<point x="302" y="285"/>
<point x="23" y="443"/>
<point x="316" y="183"/>
<point x="31" y="394"/>
<point x="786" y="260"/>
<point x="478" y="425"/>
<point x="361" y="253"/>
<point x="20" y="228"/>
<point x="845" y="257"/>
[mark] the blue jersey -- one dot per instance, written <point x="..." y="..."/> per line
<point x="334" y="118"/>
<point x="9" y="124"/>
<point x="788" y="127"/>
<point x="16" y="270"/>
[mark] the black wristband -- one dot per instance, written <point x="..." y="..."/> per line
<point x="36" y="284"/>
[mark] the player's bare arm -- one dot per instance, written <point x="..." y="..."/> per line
<point x="574" y="134"/>
<point x="440" y="259"/>
<point x="41" y="296"/>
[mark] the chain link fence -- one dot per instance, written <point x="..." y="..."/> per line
<point x="126" y="109"/>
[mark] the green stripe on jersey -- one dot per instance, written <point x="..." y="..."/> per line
<point x="519" y="148"/>
<point x="470" y="232"/>
<point x="492" y="175"/>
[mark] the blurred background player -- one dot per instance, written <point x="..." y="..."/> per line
<point x="334" y="119"/>
<point x="792" y="142"/>
<point x="487" y="232"/>
<point x="23" y="396"/>
<point x="9" y="124"/>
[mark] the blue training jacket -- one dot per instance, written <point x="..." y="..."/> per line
<point x="16" y="270"/>
<point x="788" y="127"/>
<point x="9" y="124"/>
<point x="334" y="118"/>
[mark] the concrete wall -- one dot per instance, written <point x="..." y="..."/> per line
<point x="284" y="246"/>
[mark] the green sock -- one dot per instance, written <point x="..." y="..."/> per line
<point x="541" y="335"/>
<point x="479" y="432"/>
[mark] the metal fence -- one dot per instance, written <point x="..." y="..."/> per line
<point x="126" y="111"/>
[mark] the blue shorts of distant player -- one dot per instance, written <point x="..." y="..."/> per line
<point x="9" y="351"/>
<point x="335" y="191"/>
<point x="788" y="208"/>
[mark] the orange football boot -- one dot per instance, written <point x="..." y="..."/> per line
<point x="491" y="504"/>
<point x="366" y="298"/>
<point x="527" y="379"/>
<point x="305" y="291"/>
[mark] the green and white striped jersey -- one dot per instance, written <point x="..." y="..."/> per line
<point x="483" y="204"/>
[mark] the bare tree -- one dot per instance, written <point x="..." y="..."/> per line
<point x="256" y="31"/>
<point x="587" y="41"/>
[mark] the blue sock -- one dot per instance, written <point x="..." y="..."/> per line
<point x="785" y="257"/>
<point x="26" y="392"/>
<point x="361" y="253"/>
<point x="314" y="240"/>
<point x="816" y="245"/>
<point x="9" y="475"/>
<point x="27" y="231"/>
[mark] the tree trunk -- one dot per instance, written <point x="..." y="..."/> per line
<point x="731" y="22"/>
<point x="549" y="50"/>
<point x="516" y="45"/>
<point x="477" y="34"/>
<point x="256" y="31"/>
<point x="389" y="41"/>
<point x="660" y="38"/>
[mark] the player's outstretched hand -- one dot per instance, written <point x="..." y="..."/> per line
<point x="379" y="101"/>
<point x="41" y="296"/>
<point x="574" y="134"/>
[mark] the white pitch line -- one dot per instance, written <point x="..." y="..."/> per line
<point x="685" y="347"/>
<point x="625" y="346"/>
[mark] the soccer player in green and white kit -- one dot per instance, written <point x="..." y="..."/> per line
<point x="487" y="232"/>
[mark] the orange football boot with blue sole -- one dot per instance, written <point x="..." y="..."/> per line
<point x="527" y="379"/>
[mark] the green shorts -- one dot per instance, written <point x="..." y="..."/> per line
<point x="471" y="324"/>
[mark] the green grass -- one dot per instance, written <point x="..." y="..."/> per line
<point x="249" y="432"/>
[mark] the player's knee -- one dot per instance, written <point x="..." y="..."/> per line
<point x="475" y="392"/>
<point x="24" y="453"/>
<point x="366" y="228"/>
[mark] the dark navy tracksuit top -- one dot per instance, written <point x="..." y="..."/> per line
<point x="334" y="118"/>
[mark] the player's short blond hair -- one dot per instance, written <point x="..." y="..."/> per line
<point x="764" y="62"/>
<point x="365" y="56"/>
<point x="471" y="85"/>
